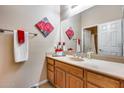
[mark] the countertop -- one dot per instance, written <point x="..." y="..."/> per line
<point x="105" y="67"/>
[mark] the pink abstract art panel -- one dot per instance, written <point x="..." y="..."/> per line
<point x="70" y="33"/>
<point x="45" y="27"/>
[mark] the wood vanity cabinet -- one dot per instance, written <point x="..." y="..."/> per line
<point x="59" y="78"/>
<point x="64" y="75"/>
<point x="96" y="80"/>
<point x="50" y="76"/>
<point x="73" y="81"/>
<point x="50" y="70"/>
<point x="122" y="83"/>
<point x="67" y="76"/>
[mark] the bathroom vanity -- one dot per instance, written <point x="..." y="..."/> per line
<point x="101" y="33"/>
<point x="65" y="72"/>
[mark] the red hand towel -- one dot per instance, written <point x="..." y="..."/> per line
<point x="21" y="36"/>
<point x="78" y="41"/>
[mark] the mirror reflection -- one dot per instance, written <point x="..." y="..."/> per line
<point x="100" y="29"/>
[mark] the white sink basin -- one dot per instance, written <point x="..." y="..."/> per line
<point x="75" y="58"/>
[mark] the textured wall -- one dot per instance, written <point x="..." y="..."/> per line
<point x="12" y="17"/>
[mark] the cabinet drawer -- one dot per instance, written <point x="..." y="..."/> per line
<point x="50" y="61"/>
<point x="71" y="69"/>
<point x="102" y="81"/>
<point x="50" y="67"/>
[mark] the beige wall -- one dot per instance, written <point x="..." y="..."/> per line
<point x="100" y="14"/>
<point x="12" y="17"/>
<point x="75" y="23"/>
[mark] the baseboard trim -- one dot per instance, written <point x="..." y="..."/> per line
<point x="39" y="83"/>
<point x="43" y="82"/>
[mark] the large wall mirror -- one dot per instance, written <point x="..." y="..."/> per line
<point x="100" y="28"/>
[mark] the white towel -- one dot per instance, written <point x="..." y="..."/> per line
<point x="21" y="51"/>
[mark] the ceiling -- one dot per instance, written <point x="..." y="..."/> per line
<point x="70" y="10"/>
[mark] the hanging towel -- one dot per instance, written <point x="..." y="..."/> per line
<point x="78" y="45"/>
<point x="21" y="36"/>
<point x="21" y="50"/>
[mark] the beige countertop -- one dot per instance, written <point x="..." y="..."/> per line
<point x="104" y="67"/>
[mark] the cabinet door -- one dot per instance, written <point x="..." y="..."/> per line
<point x="73" y="81"/>
<point x="50" y="61"/>
<point x="50" y="76"/>
<point x="59" y="78"/>
<point x="122" y="84"/>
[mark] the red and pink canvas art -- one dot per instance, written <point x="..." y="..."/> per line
<point x="70" y="33"/>
<point x="45" y="26"/>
